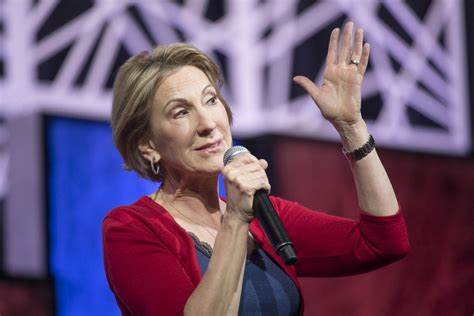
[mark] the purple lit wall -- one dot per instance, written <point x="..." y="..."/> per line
<point x="62" y="56"/>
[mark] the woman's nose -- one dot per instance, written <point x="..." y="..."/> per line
<point x="206" y="123"/>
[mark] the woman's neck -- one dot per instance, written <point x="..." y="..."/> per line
<point x="197" y="193"/>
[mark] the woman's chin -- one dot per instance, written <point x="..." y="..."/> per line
<point x="206" y="171"/>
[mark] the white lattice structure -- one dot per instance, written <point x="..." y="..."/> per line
<point x="238" y="35"/>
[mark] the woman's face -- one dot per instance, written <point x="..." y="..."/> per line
<point x="191" y="130"/>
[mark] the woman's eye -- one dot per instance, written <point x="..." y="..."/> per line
<point x="212" y="100"/>
<point x="180" y="113"/>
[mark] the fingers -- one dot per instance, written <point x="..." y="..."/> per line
<point x="247" y="173"/>
<point x="242" y="159"/>
<point x="331" y="57"/>
<point x="358" y="42"/>
<point x="250" y="183"/>
<point x="350" y="51"/>
<point x="346" y="49"/>
<point x="357" y="51"/>
<point x="364" y="60"/>
<point x="245" y="167"/>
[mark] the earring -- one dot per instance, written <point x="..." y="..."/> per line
<point x="155" y="167"/>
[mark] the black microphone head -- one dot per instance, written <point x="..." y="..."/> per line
<point x="232" y="152"/>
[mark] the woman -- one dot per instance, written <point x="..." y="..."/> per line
<point x="184" y="250"/>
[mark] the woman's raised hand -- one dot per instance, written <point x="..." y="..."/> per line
<point x="339" y="96"/>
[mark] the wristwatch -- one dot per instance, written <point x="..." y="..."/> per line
<point x="361" y="152"/>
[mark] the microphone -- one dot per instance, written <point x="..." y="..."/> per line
<point x="267" y="216"/>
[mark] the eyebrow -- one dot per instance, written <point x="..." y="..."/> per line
<point x="184" y="100"/>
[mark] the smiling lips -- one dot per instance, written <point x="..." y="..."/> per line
<point x="211" y="147"/>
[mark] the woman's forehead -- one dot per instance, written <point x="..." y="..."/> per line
<point x="186" y="83"/>
<point x="187" y="79"/>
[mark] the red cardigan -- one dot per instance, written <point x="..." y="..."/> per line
<point x="152" y="268"/>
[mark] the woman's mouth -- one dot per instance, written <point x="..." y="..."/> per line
<point x="211" y="147"/>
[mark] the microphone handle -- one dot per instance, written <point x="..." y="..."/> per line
<point x="273" y="227"/>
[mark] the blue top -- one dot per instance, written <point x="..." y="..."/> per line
<point x="266" y="289"/>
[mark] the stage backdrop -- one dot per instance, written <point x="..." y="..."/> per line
<point x="61" y="56"/>
<point x="84" y="179"/>
<point x="437" y="197"/>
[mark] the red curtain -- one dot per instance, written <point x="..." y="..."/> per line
<point x="437" y="195"/>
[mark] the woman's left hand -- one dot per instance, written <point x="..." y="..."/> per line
<point x="339" y="97"/>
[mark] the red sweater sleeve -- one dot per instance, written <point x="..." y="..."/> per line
<point x="328" y="245"/>
<point x="146" y="277"/>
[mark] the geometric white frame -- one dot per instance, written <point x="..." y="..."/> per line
<point x="238" y="35"/>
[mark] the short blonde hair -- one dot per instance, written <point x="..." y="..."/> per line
<point x="134" y="89"/>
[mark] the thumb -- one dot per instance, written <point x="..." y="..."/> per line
<point x="308" y="85"/>
<point x="263" y="163"/>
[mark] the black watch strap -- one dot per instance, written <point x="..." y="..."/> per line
<point x="361" y="152"/>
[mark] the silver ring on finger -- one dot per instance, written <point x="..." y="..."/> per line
<point x="354" y="62"/>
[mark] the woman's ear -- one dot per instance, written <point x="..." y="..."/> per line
<point x="149" y="152"/>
